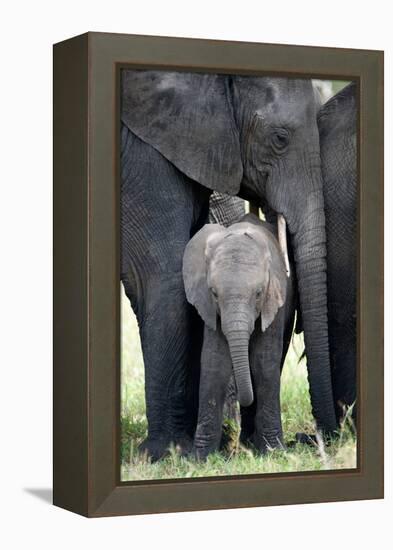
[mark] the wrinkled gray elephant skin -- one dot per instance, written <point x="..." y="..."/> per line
<point x="184" y="135"/>
<point x="337" y="122"/>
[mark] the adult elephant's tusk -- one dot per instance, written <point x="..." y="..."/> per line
<point x="282" y="239"/>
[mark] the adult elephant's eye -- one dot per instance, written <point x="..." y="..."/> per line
<point x="280" y="140"/>
<point x="214" y="292"/>
<point x="259" y="293"/>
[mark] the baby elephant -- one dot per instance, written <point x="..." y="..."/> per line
<point x="238" y="281"/>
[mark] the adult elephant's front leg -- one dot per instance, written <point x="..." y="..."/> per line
<point x="165" y="336"/>
<point x="160" y="210"/>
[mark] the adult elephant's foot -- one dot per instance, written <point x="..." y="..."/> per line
<point x="156" y="448"/>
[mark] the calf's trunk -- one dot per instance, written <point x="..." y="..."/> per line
<point x="238" y="341"/>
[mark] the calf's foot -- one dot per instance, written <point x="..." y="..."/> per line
<point x="264" y="443"/>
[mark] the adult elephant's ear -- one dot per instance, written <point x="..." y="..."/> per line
<point x="195" y="272"/>
<point x="188" y="118"/>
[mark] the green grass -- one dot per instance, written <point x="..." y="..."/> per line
<point x="339" y="85"/>
<point x="295" y="411"/>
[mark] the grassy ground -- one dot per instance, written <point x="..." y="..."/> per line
<point x="296" y="417"/>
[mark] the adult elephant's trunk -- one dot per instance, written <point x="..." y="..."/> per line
<point x="310" y="258"/>
<point x="238" y="341"/>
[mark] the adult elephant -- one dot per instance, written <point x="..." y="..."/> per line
<point x="338" y="129"/>
<point x="183" y="135"/>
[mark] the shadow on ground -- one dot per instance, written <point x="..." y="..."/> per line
<point x="42" y="494"/>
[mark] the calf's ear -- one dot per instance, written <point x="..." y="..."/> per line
<point x="274" y="298"/>
<point x="195" y="273"/>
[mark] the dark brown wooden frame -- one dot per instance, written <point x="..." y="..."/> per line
<point x="86" y="274"/>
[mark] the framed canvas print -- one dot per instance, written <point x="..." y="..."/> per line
<point x="218" y="260"/>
